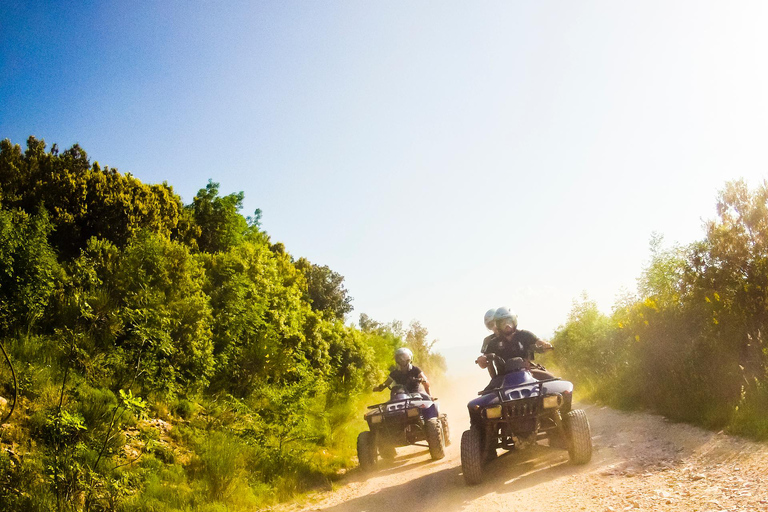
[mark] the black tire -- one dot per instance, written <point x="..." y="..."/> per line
<point x="446" y="430"/>
<point x="578" y="436"/>
<point x="366" y="450"/>
<point x="472" y="456"/>
<point x="567" y="400"/>
<point x="387" y="450"/>
<point x="434" y="434"/>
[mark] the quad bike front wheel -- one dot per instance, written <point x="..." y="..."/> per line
<point x="578" y="436"/>
<point x="387" y="450"/>
<point x="446" y="430"/>
<point x="472" y="456"/>
<point x="434" y="434"/>
<point x="366" y="450"/>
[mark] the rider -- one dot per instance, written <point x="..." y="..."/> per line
<point x="482" y="361"/>
<point x="511" y="342"/>
<point x="405" y="374"/>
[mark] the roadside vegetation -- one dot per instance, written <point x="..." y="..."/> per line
<point x="692" y="343"/>
<point x="168" y="356"/>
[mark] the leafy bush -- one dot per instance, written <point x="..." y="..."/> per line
<point x="20" y="485"/>
<point x="690" y="344"/>
<point x="118" y="302"/>
<point x="749" y="419"/>
<point x="29" y="270"/>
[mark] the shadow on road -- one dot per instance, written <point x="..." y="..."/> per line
<point x="446" y="489"/>
<point x="407" y="459"/>
<point x="402" y="463"/>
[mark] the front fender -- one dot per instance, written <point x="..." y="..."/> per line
<point x="430" y="412"/>
<point x="557" y="386"/>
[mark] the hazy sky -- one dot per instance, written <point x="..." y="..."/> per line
<point x="444" y="157"/>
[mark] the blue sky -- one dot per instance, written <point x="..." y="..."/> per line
<point x="445" y="157"/>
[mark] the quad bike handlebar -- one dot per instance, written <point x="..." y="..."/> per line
<point x="381" y="387"/>
<point x="523" y="363"/>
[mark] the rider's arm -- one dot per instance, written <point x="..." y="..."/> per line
<point x="484" y="362"/>
<point x="542" y="346"/>
<point x="425" y="382"/>
<point x="383" y="385"/>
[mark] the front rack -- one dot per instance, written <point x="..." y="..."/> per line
<point x="499" y="390"/>
<point x="405" y="401"/>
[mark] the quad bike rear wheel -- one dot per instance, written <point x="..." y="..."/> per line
<point x="446" y="430"/>
<point x="472" y="456"/>
<point x="578" y="436"/>
<point x="434" y="434"/>
<point x="366" y="450"/>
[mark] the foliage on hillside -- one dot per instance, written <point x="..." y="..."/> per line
<point x="170" y="356"/>
<point x="691" y="344"/>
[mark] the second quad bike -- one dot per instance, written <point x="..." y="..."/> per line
<point x="405" y="419"/>
<point x="515" y="412"/>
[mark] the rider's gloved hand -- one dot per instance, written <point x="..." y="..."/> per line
<point x="543" y="346"/>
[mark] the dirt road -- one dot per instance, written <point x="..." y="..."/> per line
<point x="640" y="462"/>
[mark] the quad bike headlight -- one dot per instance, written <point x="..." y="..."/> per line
<point x="412" y="412"/>
<point x="493" y="412"/>
<point x="551" y="401"/>
<point x="376" y="418"/>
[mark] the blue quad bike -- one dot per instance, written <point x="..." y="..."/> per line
<point x="517" y="411"/>
<point x="405" y="419"/>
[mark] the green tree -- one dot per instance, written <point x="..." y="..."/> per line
<point x="735" y="267"/>
<point x="417" y="340"/>
<point x="325" y="289"/>
<point x="83" y="200"/>
<point x="165" y="312"/>
<point x="29" y="270"/>
<point x="259" y="314"/>
<point x="221" y="227"/>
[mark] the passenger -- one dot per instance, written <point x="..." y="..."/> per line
<point x="407" y="375"/>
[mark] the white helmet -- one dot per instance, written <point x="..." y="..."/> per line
<point x="488" y="319"/>
<point x="506" y="316"/>
<point x="404" y="357"/>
